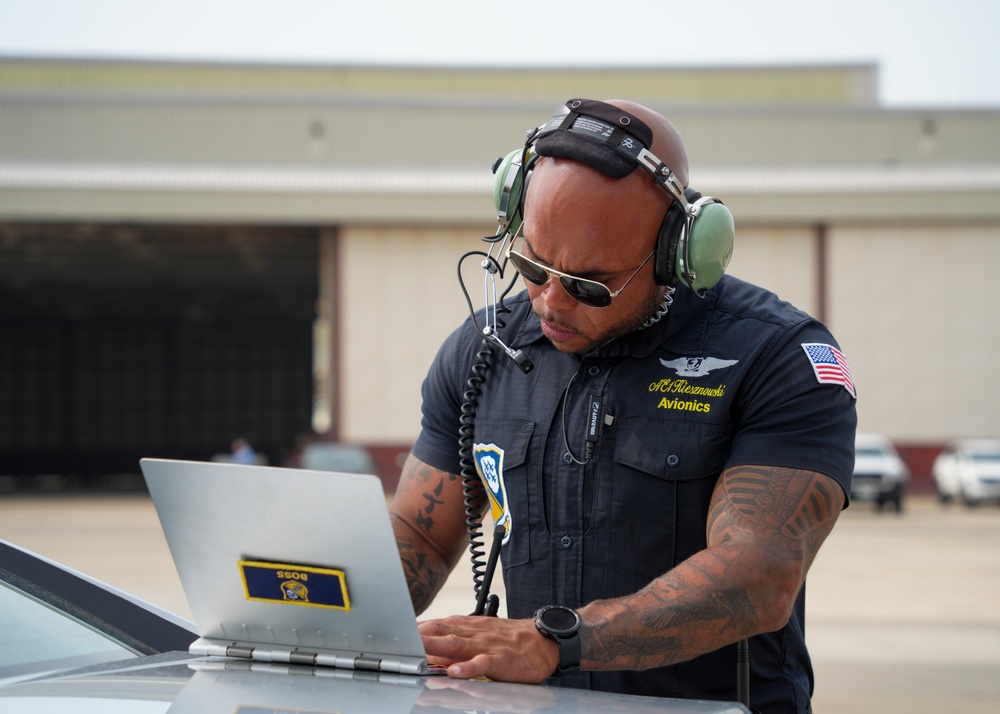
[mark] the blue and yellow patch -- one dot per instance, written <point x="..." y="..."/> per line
<point x="294" y="584"/>
<point x="489" y="466"/>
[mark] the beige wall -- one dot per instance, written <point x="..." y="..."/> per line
<point x="916" y="310"/>
<point x="399" y="300"/>
<point x="918" y="314"/>
<point x="782" y="259"/>
<point x="922" y="349"/>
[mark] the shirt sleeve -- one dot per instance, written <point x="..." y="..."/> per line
<point x="788" y="416"/>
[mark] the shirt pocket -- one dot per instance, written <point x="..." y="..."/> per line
<point x="506" y="443"/>
<point x="660" y="484"/>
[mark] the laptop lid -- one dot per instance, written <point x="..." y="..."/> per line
<point x="287" y="565"/>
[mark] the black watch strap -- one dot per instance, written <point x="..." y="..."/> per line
<point x="569" y="655"/>
<point x="561" y="624"/>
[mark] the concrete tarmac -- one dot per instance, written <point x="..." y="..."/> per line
<point x="903" y="610"/>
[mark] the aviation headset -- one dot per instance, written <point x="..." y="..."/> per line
<point x="695" y="240"/>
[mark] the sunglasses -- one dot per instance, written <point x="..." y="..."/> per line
<point x="588" y="292"/>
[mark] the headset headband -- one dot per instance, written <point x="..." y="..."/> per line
<point x="594" y="133"/>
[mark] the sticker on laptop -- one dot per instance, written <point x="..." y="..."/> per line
<point x="294" y="584"/>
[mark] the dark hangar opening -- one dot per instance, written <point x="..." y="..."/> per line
<point x="124" y="341"/>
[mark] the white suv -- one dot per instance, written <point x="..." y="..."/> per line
<point x="880" y="475"/>
<point x="968" y="469"/>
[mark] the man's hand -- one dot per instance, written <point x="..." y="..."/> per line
<point x="496" y="648"/>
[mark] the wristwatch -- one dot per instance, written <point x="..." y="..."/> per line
<point x="562" y="624"/>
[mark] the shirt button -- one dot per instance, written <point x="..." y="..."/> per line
<point x="565" y="541"/>
<point x="673" y="460"/>
<point x="593" y="370"/>
<point x="567" y="457"/>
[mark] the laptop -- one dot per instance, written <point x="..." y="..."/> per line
<point x="288" y="565"/>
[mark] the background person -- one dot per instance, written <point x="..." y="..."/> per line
<point x="242" y="452"/>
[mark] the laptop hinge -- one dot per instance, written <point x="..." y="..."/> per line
<point x="368" y="663"/>
<point x="239" y="652"/>
<point x="296" y="657"/>
<point x="336" y="659"/>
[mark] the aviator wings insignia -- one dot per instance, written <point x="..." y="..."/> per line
<point x="696" y="366"/>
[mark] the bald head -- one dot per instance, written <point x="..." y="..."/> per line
<point x="575" y="166"/>
<point x="616" y="137"/>
<point x="589" y="213"/>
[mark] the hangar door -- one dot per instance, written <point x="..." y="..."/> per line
<point x="124" y="341"/>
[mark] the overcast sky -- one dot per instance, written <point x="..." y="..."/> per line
<point x="929" y="53"/>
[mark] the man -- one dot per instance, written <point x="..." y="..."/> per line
<point x="666" y="472"/>
<point x="242" y="452"/>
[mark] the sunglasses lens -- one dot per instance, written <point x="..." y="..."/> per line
<point x="587" y="291"/>
<point x="528" y="270"/>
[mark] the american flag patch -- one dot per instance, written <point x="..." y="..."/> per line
<point x="830" y="365"/>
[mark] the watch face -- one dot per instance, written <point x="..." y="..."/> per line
<point x="560" y="620"/>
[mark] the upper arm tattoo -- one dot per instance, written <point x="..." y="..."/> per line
<point x="787" y="509"/>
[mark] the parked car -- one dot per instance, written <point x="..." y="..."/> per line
<point x="968" y="469"/>
<point x="880" y="475"/>
<point x="334" y="456"/>
<point x="69" y="643"/>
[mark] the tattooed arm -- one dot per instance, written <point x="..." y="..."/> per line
<point x="428" y="518"/>
<point x="765" y="526"/>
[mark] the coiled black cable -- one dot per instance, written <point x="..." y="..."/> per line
<point x="472" y="489"/>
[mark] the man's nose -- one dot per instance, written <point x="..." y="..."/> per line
<point x="555" y="297"/>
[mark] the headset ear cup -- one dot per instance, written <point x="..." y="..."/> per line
<point x="710" y="246"/>
<point x="509" y="183"/>
<point x="665" y="260"/>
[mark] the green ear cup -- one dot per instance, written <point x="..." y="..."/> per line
<point x="710" y="246"/>
<point x="508" y="181"/>
<point x="500" y="169"/>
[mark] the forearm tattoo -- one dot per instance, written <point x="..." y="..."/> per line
<point x="777" y="516"/>
<point x="425" y="568"/>
<point x="423" y="582"/>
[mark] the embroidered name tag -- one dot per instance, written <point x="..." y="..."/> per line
<point x="294" y="584"/>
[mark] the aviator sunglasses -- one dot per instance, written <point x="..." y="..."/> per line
<point x="588" y="292"/>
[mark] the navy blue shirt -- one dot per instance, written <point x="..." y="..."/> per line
<point x="736" y="378"/>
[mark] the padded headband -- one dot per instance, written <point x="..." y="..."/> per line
<point x="606" y="138"/>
